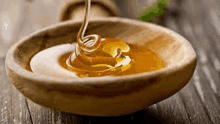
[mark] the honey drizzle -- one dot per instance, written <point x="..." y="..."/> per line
<point x="93" y="54"/>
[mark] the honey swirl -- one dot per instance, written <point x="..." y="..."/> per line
<point x="98" y="56"/>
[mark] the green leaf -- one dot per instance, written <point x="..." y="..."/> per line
<point x="154" y="11"/>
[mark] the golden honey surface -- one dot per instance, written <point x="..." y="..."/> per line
<point x="114" y="57"/>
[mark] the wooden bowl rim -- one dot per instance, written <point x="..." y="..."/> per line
<point x="54" y="81"/>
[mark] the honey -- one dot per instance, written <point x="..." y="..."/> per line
<point x="110" y="57"/>
<point x="140" y="60"/>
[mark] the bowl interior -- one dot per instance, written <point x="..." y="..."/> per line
<point x="172" y="48"/>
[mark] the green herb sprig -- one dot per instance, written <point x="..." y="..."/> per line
<point x="154" y="11"/>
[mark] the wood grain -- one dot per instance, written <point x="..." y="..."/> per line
<point x="197" y="103"/>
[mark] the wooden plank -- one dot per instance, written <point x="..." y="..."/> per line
<point x="142" y="117"/>
<point x="12" y="104"/>
<point x="172" y="110"/>
<point x="177" y="109"/>
<point x="189" y="96"/>
<point x="189" y="22"/>
<point x="193" y="105"/>
<point x="40" y="114"/>
<point x="196" y="112"/>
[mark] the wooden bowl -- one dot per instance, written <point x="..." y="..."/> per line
<point x="103" y="96"/>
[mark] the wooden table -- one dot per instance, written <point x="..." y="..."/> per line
<point x="197" y="103"/>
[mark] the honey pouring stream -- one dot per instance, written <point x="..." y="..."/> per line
<point x="93" y="55"/>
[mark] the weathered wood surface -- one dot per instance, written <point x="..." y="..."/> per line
<point x="197" y="103"/>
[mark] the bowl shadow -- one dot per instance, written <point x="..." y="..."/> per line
<point x="144" y="116"/>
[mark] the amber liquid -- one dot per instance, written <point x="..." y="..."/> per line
<point x="141" y="60"/>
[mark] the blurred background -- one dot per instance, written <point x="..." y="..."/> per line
<point x="20" y="18"/>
